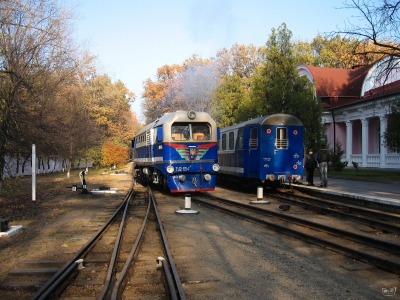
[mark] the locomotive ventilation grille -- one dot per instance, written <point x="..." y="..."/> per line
<point x="282" y="143"/>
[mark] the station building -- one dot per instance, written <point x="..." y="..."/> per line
<point x="356" y="106"/>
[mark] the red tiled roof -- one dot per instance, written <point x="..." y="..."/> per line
<point x="333" y="82"/>
<point x="386" y="90"/>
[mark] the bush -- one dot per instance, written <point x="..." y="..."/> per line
<point x="336" y="158"/>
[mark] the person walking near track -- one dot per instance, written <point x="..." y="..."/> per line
<point x="323" y="159"/>
<point x="311" y="165"/>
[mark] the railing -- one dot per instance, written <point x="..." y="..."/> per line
<point x="357" y="158"/>
<point x="392" y="160"/>
<point x="373" y="160"/>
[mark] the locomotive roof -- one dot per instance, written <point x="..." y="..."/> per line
<point x="275" y="119"/>
<point x="178" y="116"/>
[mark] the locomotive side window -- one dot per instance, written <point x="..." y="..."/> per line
<point x="223" y="142"/>
<point x="281" y="138"/>
<point x="231" y="140"/>
<point x="253" y="142"/>
<point x="239" y="144"/>
<point x="159" y="134"/>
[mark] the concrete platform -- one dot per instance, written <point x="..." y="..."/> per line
<point x="384" y="193"/>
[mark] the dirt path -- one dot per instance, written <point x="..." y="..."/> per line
<point x="61" y="220"/>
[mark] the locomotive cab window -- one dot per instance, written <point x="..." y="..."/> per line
<point x="201" y="131"/>
<point x="282" y="141"/>
<point x="187" y="131"/>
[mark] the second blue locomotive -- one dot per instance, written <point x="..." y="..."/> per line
<point x="178" y="151"/>
<point x="265" y="151"/>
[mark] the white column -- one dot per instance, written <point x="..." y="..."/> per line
<point x="34" y="173"/>
<point x="364" y="141"/>
<point x="349" y="141"/>
<point x="383" y="149"/>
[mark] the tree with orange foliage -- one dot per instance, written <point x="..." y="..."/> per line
<point x="113" y="154"/>
<point x="155" y="92"/>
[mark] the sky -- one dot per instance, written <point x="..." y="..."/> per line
<point x="133" y="38"/>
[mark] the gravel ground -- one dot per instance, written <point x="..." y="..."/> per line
<point x="236" y="259"/>
<point x="217" y="256"/>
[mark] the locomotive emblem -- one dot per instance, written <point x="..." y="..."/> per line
<point x="295" y="132"/>
<point x="192" y="152"/>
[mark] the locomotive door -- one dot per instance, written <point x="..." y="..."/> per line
<point x="282" y="156"/>
<point x="253" y="153"/>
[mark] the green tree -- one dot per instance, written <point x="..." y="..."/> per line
<point x="241" y="60"/>
<point x="392" y="134"/>
<point x="277" y="87"/>
<point x="236" y="67"/>
<point x="230" y="94"/>
<point x="108" y="103"/>
<point x="304" y="52"/>
<point x="335" y="52"/>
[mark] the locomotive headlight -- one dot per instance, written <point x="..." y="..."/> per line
<point x="170" y="169"/>
<point x="215" y="167"/>
<point x="299" y="178"/>
<point x="271" y="177"/>
<point x="191" y="115"/>
<point x="182" y="178"/>
<point x="207" y="177"/>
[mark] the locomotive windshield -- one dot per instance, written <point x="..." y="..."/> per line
<point x="181" y="131"/>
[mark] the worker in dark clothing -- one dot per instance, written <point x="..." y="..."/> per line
<point x="311" y="165"/>
<point x="323" y="159"/>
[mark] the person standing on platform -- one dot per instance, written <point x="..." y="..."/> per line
<point x="311" y="165"/>
<point x="323" y="159"/>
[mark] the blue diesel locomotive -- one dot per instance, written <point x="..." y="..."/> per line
<point x="264" y="151"/>
<point x="178" y="151"/>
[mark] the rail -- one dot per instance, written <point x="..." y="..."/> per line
<point x="56" y="280"/>
<point x="382" y="262"/>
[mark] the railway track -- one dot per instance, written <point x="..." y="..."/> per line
<point x="364" y="246"/>
<point x="380" y="220"/>
<point x="219" y="256"/>
<point x="128" y="257"/>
